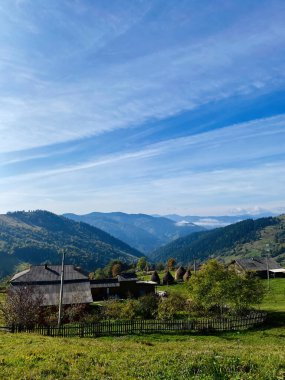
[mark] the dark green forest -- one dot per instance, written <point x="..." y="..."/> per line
<point x="245" y="238"/>
<point x="141" y="231"/>
<point x="39" y="236"/>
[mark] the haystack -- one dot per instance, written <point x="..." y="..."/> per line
<point x="179" y="274"/>
<point x="168" y="279"/>
<point x="155" y="277"/>
<point x="187" y="275"/>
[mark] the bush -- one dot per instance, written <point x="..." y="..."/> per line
<point x="75" y="312"/>
<point x="170" y="306"/>
<point x="147" y="306"/>
<point x="23" y="306"/>
<point x="112" y="309"/>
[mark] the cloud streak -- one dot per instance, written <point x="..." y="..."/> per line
<point x="154" y="86"/>
<point x="98" y="95"/>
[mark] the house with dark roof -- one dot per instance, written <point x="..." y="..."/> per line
<point x="46" y="279"/>
<point x="124" y="286"/>
<point x="258" y="266"/>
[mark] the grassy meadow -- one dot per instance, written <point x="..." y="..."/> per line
<point x="256" y="354"/>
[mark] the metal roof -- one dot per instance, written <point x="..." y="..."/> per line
<point x="45" y="279"/>
<point x="257" y="264"/>
<point x="124" y="279"/>
<point x="280" y="270"/>
<point x="48" y="273"/>
<point x="147" y="282"/>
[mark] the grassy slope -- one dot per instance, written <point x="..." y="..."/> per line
<point x="248" y="355"/>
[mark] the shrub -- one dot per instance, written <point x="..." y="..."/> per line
<point x="170" y="306"/>
<point x="112" y="309"/>
<point x="23" y="306"/>
<point x="147" y="306"/>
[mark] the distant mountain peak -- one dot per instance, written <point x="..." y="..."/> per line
<point x="142" y="231"/>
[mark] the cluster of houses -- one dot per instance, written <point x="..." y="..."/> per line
<point x="79" y="289"/>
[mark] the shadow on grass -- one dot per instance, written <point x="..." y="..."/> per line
<point x="275" y="319"/>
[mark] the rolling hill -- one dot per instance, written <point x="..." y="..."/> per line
<point x="144" y="232"/>
<point x="248" y="238"/>
<point x="39" y="236"/>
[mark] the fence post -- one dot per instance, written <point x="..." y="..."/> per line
<point x="81" y="331"/>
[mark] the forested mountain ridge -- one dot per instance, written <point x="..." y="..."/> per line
<point x="39" y="236"/>
<point x="247" y="238"/>
<point x="144" y="232"/>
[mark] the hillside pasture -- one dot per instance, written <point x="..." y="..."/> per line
<point x="256" y="354"/>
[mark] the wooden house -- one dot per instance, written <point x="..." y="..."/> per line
<point x="46" y="280"/>
<point x="258" y="266"/>
<point x="124" y="286"/>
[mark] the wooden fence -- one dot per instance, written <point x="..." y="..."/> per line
<point x="147" y="326"/>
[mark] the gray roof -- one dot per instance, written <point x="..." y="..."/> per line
<point x="123" y="277"/>
<point x="48" y="273"/>
<point x="257" y="264"/>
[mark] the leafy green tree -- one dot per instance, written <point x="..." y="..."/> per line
<point x="245" y="290"/>
<point x="216" y="289"/>
<point x="142" y="264"/>
<point x="116" y="269"/>
<point x="171" y="263"/>
<point x="159" y="266"/>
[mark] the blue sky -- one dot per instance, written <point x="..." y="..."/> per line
<point x="158" y="106"/>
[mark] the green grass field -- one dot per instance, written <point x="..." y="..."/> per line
<point x="258" y="354"/>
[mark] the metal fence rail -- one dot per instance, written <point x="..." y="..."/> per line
<point x="139" y="326"/>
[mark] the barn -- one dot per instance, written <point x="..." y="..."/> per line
<point x="258" y="266"/>
<point x="45" y="279"/>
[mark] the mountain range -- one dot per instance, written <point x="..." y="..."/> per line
<point x="213" y="221"/>
<point x="141" y="231"/>
<point x="39" y="236"/>
<point x="248" y="238"/>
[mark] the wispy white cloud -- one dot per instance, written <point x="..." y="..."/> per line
<point x="212" y="192"/>
<point x="120" y="95"/>
<point x="232" y="145"/>
<point x="114" y="67"/>
<point x="185" y="175"/>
